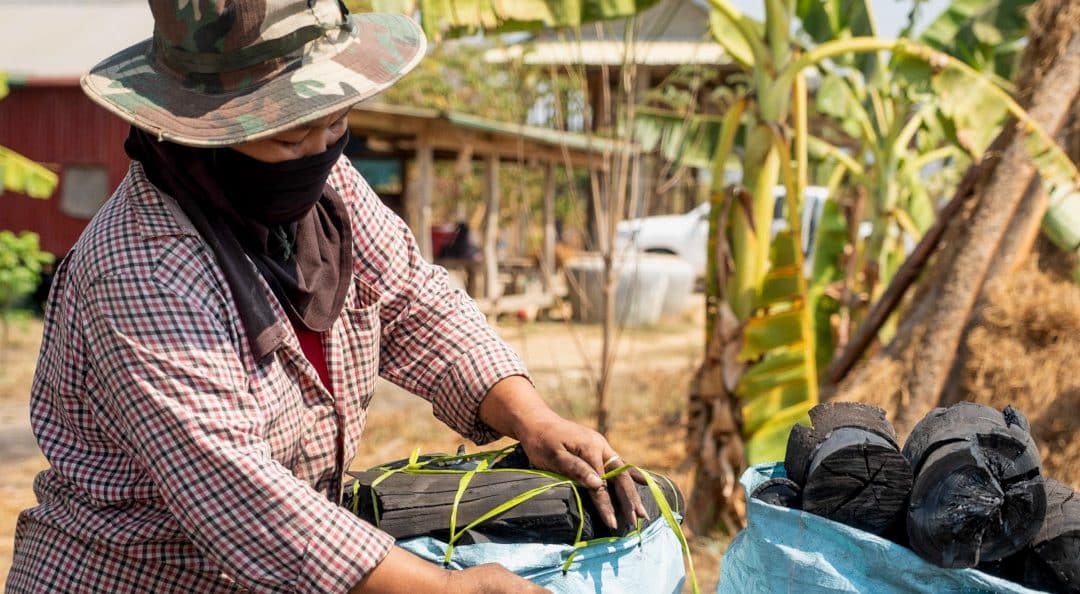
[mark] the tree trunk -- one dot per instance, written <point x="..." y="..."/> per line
<point x="714" y="440"/>
<point x="1016" y="247"/>
<point x="917" y="363"/>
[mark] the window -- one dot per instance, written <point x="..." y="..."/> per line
<point x="85" y="189"/>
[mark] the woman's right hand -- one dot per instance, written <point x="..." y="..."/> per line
<point x="402" y="572"/>
<point x="490" y="578"/>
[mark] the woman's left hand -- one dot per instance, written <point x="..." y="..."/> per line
<point x="514" y="408"/>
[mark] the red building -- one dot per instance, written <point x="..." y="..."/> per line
<point x="44" y="48"/>
<point x="54" y="123"/>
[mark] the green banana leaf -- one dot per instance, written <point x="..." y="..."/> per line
<point x="780" y="386"/>
<point x="19" y="174"/>
<point x="688" y="141"/>
<point x="739" y="35"/>
<point x="986" y="35"/>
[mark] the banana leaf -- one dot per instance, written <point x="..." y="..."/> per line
<point x="19" y="174"/>
<point x="780" y="386"/>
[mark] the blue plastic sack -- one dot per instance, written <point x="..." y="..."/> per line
<point x="650" y="563"/>
<point x="786" y="550"/>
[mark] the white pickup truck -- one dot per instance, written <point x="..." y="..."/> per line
<point x="686" y="235"/>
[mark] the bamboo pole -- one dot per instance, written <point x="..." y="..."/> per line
<point x="491" y="227"/>
<point x="547" y="267"/>
<point x="425" y="164"/>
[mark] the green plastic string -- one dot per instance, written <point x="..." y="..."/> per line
<point x="463" y="484"/>
<point x="665" y="510"/>
<point x="501" y="508"/>
<point x="412" y="465"/>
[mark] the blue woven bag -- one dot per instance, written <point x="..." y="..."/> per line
<point x="786" y="550"/>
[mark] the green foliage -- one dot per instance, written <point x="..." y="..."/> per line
<point x="449" y="80"/>
<point x="452" y="18"/>
<point x="986" y="35"/>
<point x="780" y="386"/>
<point x="391" y="6"/>
<point x="21" y="264"/>
<point x="19" y="174"/>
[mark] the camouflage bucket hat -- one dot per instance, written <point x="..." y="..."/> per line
<point x="222" y="72"/>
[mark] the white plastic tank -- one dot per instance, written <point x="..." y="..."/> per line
<point x="648" y="288"/>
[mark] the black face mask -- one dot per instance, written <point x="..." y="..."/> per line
<point x="276" y="193"/>
<point x="239" y="205"/>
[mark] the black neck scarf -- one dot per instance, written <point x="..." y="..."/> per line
<point x="283" y="216"/>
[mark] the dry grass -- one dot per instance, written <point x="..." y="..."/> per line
<point x="1022" y="353"/>
<point x="21" y="459"/>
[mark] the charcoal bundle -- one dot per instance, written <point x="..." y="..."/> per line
<point x="978" y="495"/>
<point x="407" y="504"/>
<point x="847" y="467"/>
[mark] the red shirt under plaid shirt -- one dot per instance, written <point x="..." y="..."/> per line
<point x="179" y="463"/>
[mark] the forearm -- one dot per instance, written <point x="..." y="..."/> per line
<point x="402" y="572"/>
<point x="513" y="407"/>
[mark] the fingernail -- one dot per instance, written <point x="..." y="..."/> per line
<point x="594" y="481"/>
<point x="610" y="520"/>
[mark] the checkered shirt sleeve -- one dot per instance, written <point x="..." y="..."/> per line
<point x="176" y="392"/>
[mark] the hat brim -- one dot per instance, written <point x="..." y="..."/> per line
<point x="378" y="51"/>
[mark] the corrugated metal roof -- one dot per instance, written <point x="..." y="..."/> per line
<point x="65" y="38"/>
<point x="546" y="136"/>
<point x="612" y="53"/>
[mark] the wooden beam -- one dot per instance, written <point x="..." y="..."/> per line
<point x="425" y="173"/>
<point x="547" y="264"/>
<point x="491" y="227"/>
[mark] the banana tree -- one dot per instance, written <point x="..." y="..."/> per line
<point x="19" y="174"/>
<point x="769" y="378"/>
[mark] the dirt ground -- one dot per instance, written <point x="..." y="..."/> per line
<point x="652" y="374"/>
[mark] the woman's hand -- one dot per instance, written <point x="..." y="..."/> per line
<point x="514" y="408"/>
<point x="402" y="572"/>
<point x="489" y="578"/>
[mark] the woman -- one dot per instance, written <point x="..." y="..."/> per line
<point x="212" y="341"/>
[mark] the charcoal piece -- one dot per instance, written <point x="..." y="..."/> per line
<point x="858" y="478"/>
<point x="849" y="466"/>
<point x="779" y="491"/>
<point x="978" y="495"/>
<point x="828" y="416"/>
<point x="800" y="448"/>
<point x="1052" y="561"/>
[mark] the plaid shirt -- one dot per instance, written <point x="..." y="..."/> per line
<point x="178" y="462"/>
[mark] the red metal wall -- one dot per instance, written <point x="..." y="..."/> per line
<point x="57" y="125"/>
